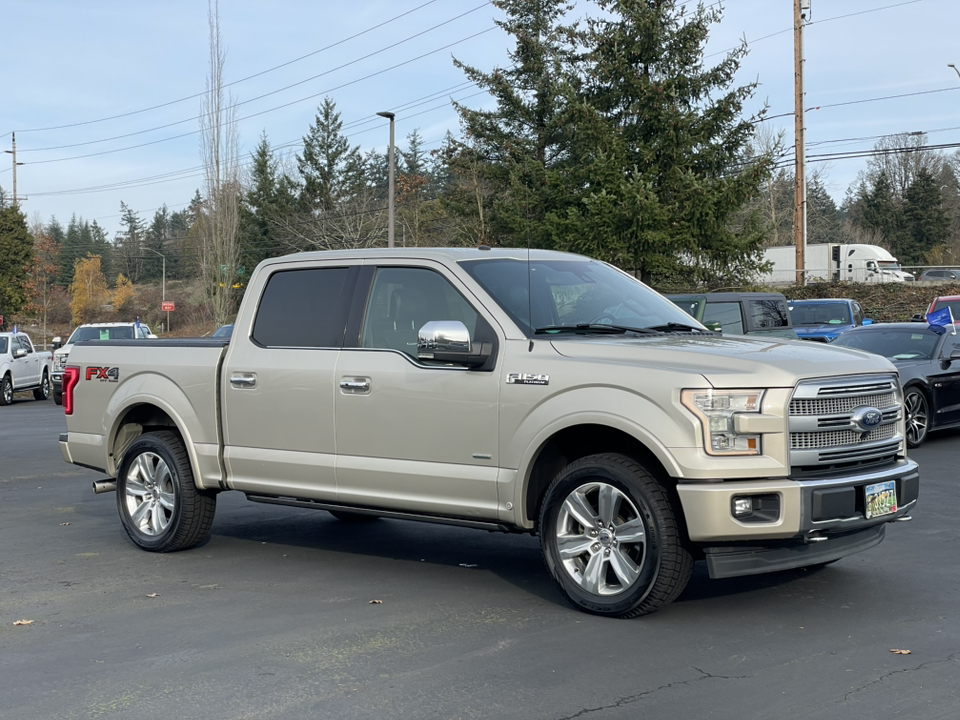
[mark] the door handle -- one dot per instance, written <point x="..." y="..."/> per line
<point x="243" y="380"/>
<point x="355" y="385"/>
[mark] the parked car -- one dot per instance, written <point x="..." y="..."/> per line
<point x="928" y="359"/>
<point x="940" y="275"/>
<point x="740" y="313"/>
<point x="224" y="331"/>
<point x="22" y="368"/>
<point x="91" y="331"/>
<point x="825" y="319"/>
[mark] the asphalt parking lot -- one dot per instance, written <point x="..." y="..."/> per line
<point x="274" y="617"/>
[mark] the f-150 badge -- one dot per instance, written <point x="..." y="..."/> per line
<point x="528" y="379"/>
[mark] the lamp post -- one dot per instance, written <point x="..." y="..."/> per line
<point x="390" y="213"/>
<point x="163" y="282"/>
<point x="957" y="70"/>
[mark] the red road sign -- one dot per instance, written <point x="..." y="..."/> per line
<point x="168" y="306"/>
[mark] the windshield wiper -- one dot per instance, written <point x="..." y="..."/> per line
<point x="674" y="327"/>
<point x="597" y="328"/>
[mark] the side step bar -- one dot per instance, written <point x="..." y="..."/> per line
<point x="394" y="514"/>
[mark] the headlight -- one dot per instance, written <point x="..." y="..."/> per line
<point x="717" y="411"/>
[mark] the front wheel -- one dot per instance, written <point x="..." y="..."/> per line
<point x="918" y="416"/>
<point x="160" y="506"/>
<point x="6" y="390"/>
<point x="57" y="398"/>
<point x="43" y="392"/>
<point x="610" y="538"/>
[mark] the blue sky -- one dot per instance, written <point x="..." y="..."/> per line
<point x="74" y="64"/>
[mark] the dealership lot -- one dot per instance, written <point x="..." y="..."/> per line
<point x="274" y="618"/>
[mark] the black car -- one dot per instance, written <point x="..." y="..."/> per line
<point x="928" y="359"/>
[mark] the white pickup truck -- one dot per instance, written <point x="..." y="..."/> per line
<point x="503" y="390"/>
<point x="23" y="368"/>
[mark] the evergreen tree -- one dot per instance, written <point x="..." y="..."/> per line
<point x="155" y="240"/>
<point x="881" y="213"/>
<point x="823" y="217"/>
<point x="926" y="224"/>
<point x="269" y="199"/>
<point x="16" y="252"/>
<point x="325" y="151"/>
<point x="129" y="243"/>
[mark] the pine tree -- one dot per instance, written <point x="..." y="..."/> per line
<point x="129" y="243"/>
<point x="926" y="225"/>
<point x="325" y="150"/>
<point x="16" y="252"/>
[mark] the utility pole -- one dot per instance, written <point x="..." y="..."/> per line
<point x="801" y="13"/>
<point x="15" y="163"/>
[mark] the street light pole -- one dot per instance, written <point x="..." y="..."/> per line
<point x="163" y="282"/>
<point x="391" y="188"/>
<point x="955" y="68"/>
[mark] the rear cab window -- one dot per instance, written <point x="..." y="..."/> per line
<point x="302" y="309"/>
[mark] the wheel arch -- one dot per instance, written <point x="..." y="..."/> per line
<point x="574" y="441"/>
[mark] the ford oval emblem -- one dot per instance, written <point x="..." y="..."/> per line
<point x="866" y="418"/>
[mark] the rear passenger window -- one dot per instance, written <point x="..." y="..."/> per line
<point x="726" y="314"/>
<point x="300" y="309"/>
<point x="769" y="313"/>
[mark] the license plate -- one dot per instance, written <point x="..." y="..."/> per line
<point x="880" y="499"/>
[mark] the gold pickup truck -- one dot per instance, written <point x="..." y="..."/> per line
<point x="534" y="392"/>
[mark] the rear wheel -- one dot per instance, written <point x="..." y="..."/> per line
<point x="43" y="392"/>
<point x="160" y="506"/>
<point x="610" y="538"/>
<point x="58" y="398"/>
<point x="918" y="416"/>
<point x="6" y="390"/>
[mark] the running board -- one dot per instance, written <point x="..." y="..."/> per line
<point x="394" y="514"/>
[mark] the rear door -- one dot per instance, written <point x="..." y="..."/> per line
<point x="411" y="435"/>
<point x="278" y="383"/>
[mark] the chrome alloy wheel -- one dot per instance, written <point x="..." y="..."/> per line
<point x="7" y="390"/>
<point x="918" y="417"/>
<point x="601" y="539"/>
<point x="150" y="494"/>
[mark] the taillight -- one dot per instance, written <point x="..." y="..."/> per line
<point x="71" y="376"/>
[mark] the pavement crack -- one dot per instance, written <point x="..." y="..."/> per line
<point x="921" y="666"/>
<point x="630" y="699"/>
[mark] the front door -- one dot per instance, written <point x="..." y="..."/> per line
<point x="946" y="384"/>
<point x="412" y="435"/>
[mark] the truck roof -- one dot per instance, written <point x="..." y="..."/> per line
<point x="440" y="254"/>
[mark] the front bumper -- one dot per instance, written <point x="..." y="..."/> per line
<point x="56" y="380"/>
<point x="807" y="507"/>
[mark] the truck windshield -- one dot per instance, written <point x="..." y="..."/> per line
<point x="124" y="332"/>
<point x="820" y="313"/>
<point x="569" y="293"/>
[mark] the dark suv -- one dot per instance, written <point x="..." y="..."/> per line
<point x="740" y="313"/>
<point x="940" y="275"/>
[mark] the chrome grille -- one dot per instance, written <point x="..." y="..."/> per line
<point x="840" y="405"/>
<point x="822" y="426"/>
<point x="834" y="439"/>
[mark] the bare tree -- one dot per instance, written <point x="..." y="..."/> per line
<point x="902" y="157"/>
<point x="220" y="219"/>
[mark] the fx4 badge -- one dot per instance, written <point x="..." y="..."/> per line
<point x="103" y="374"/>
<point x="528" y="379"/>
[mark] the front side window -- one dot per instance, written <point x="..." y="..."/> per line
<point x="301" y="309"/>
<point x="403" y="300"/>
<point x="25" y="343"/>
<point x="548" y="294"/>
<point x="726" y="315"/>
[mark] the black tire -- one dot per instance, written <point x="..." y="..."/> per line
<point x="617" y="521"/>
<point x="353" y="517"/>
<point x="160" y="506"/>
<point x="58" y="398"/>
<point x="6" y="390"/>
<point x="917" y="409"/>
<point x="43" y="392"/>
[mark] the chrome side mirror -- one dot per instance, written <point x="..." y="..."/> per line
<point x="19" y="353"/>
<point x="448" y="341"/>
<point x="57" y="342"/>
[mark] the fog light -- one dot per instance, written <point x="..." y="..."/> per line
<point x="742" y="506"/>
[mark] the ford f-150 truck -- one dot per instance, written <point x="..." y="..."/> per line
<point x="534" y="392"/>
<point x="22" y="367"/>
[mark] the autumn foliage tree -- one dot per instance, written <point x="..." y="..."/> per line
<point x="89" y="290"/>
<point x="123" y="294"/>
<point x="44" y="271"/>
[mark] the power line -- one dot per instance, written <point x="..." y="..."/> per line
<point x="885" y="97"/>
<point x="258" y="97"/>
<point x="269" y="110"/>
<point x="235" y="82"/>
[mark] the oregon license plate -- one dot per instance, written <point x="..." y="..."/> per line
<point x="880" y="499"/>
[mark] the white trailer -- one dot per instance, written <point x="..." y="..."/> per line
<point x="833" y="261"/>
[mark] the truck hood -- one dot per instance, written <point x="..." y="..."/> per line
<point x="818" y="331"/>
<point x="726" y="362"/>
